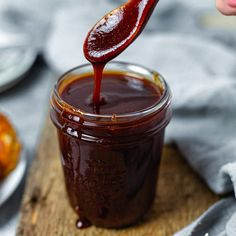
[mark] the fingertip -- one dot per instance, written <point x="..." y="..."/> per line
<point x="224" y="8"/>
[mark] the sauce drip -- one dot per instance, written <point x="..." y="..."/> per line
<point x="121" y="94"/>
<point x="113" y="34"/>
<point x="83" y="223"/>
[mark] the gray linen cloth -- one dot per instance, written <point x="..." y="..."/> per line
<point x="200" y="69"/>
<point x="202" y="74"/>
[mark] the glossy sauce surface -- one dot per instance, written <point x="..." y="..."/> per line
<point x="113" y="34"/>
<point x="111" y="171"/>
<point x="117" y="30"/>
<point x="120" y="94"/>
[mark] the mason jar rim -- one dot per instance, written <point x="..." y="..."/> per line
<point x="163" y="102"/>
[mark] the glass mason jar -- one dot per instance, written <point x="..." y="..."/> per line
<point x="111" y="162"/>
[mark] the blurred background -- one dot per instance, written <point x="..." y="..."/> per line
<point x="41" y="39"/>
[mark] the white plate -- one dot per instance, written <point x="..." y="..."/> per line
<point x="14" y="64"/>
<point x="11" y="182"/>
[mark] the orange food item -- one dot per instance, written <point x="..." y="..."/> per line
<point x="10" y="147"/>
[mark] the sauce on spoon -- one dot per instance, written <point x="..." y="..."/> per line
<point x="113" y="34"/>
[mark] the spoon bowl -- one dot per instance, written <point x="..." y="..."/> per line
<point x="117" y="30"/>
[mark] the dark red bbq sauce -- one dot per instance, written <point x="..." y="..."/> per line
<point x="113" y="34"/>
<point x="120" y="94"/>
<point x="105" y="184"/>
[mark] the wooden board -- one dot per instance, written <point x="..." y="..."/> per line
<point x="45" y="211"/>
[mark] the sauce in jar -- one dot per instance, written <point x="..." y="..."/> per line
<point x="121" y="93"/>
<point x="111" y="129"/>
<point x="111" y="157"/>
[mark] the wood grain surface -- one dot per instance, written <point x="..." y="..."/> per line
<point x="181" y="197"/>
